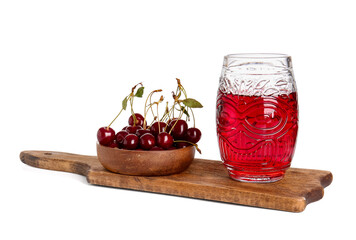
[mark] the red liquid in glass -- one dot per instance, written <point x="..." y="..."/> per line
<point x="257" y="135"/>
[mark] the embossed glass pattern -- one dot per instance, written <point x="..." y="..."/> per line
<point x="257" y="116"/>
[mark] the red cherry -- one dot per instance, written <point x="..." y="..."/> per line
<point x="172" y="148"/>
<point x="181" y="144"/>
<point x="139" y="120"/>
<point x="105" y="136"/>
<point x="164" y="140"/>
<point x="120" y="136"/>
<point x="133" y="129"/>
<point x="130" y="142"/>
<point x="140" y="132"/>
<point x="193" y="135"/>
<point x="155" y="130"/>
<point x="156" y="148"/>
<point x="147" y="141"/>
<point x="113" y="144"/>
<point x="179" y="130"/>
<point x="170" y="120"/>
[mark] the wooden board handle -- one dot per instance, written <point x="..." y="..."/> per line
<point x="59" y="161"/>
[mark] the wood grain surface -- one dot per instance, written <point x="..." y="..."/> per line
<point x="204" y="179"/>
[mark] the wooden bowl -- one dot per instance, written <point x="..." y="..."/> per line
<point x="145" y="163"/>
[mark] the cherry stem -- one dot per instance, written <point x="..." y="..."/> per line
<point x="174" y="104"/>
<point x="114" y="119"/>
<point x="176" y="100"/>
<point x="150" y="106"/>
<point x="168" y="116"/>
<point x="131" y="102"/>
<point x="153" y="121"/>
<point x="175" y="123"/>
<point x="180" y="89"/>
<point x="180" y="86"/>
<point x="132" y="111"/>
<point x="173" y="109"/>
<point x="145" y="112"/>
<point x="159" y="127"/>
<point x="146" y="109"/>
<point x="134" y="87"/>
<point x="193" y="117"/>
<point x="194" y="144"/>
<point x="151" y="103"/>
<point x="166" y="112"/>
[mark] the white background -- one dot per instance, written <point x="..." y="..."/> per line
<point x="65" y="67"/>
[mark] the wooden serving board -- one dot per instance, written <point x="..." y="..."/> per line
<point x="204" y="179"/>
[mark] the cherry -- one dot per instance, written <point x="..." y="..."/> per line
<point x="155" y="130"/>
<point x="120" y="136"/>
<point x="181" y="144"/>
<point x="170" y="120"/>
<point x="139" y="120"/>
<point x="140" y="132"/>
<point x="156" y="148"/>
<point x="172" y="148"/>
<point x="130" y="142"/>
<point x="147" y="141"/>
<point x="179" y="130"/>
<point x="164" y="140"/>
<point x="133" y="129"/>
<point x="105" y="136"/>
<point x="193" y="135"/>
<point x="113" y="144"/>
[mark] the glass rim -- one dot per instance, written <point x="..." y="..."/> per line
<point x="257" y="55"/>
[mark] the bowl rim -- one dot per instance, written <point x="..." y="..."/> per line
<point x="142" y="151"/>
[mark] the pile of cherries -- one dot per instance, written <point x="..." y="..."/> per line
<point x="168" y="135"/>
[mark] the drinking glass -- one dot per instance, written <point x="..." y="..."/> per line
<point x="257" y="116"/>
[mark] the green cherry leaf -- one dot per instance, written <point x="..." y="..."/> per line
<point x="124" y="103"/>
<point x="185" y="111"/>
<point x="192" y="103"/>
<point x="139" y="92"/>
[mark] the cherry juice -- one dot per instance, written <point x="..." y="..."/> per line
<point x="257" y="135"/>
